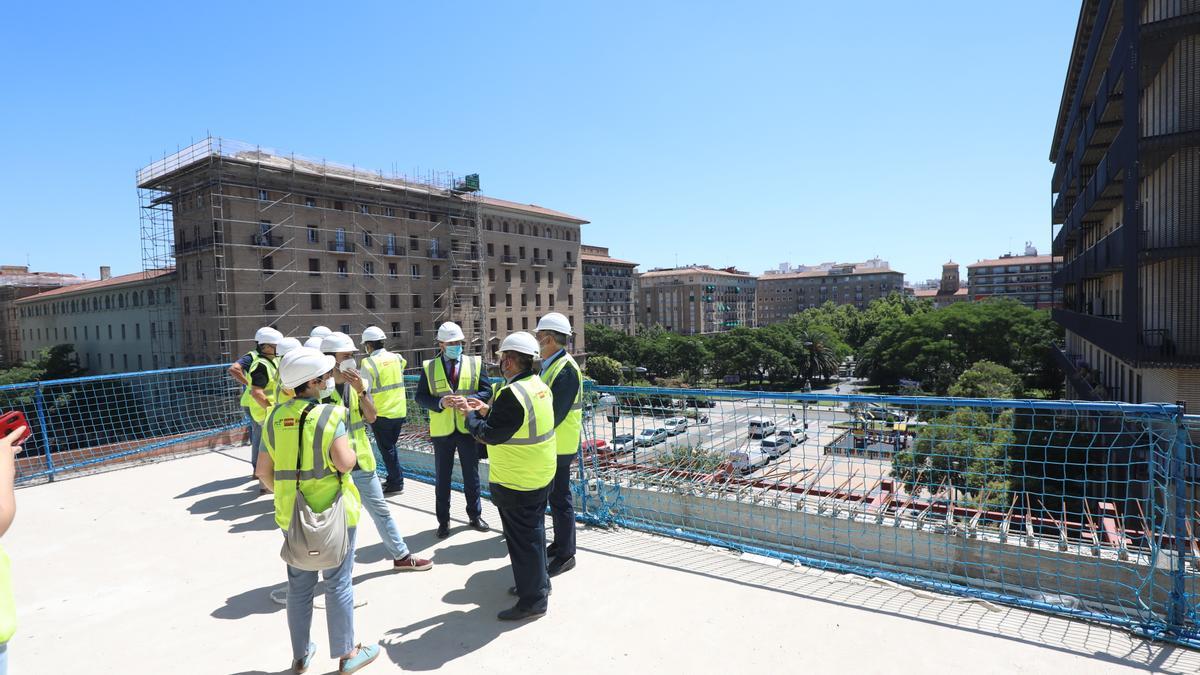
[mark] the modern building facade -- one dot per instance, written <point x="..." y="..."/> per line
<point x="1126" y="191"/>
<point x="1027" y="278"/>
<point x="268" y="238"/>
<point x="112" y="322"/>
<point x="609" y="289"/>
<point x="697" y="299"/>
<point x="947" y="291"/>
<point x="16" y="282"/>
<point x="782" y="295"/>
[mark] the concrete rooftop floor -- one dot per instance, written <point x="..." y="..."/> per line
<point x="168" y="568"/>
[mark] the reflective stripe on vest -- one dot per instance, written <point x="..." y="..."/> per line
<point x="356" y="427"/>
<point x="526" y="461"/>
<point x="387" y="385"/>
<point x="570" y="430"/>
<point x="446" y="422"/>
<point x="257" y="412"/>
<point x="291" y="447"/>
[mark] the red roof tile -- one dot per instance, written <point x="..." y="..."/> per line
<point x="96" y="285"/>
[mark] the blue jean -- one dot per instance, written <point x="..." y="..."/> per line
<point x="371" y="492"/>
<point x="444" y="449"/>
<point x="255" y="441"/>
<point x="3" y="658"/>
<point x="339" y="606"/>
<point x="386" y="432"/>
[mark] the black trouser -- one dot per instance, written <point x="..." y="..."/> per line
<point x="444" y="449"/>
<point x="386" y="432"/>
<point x="562" y="511"/>
<point x="523" y="515"/>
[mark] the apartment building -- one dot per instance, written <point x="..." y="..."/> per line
<point x="262" y="237"/>
<point x="1027" y="278"/>
<point x="1126" y="203"/>
<point x="945" y="291"/>
<point x="782" y="295"/>
<point x="609" y="289"/>
<point x="112" y="322"/>
<point x="16" y="282"/>
<point x="697" y="299"/>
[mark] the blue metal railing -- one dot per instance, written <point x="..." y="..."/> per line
<point x="1087" y="509"/>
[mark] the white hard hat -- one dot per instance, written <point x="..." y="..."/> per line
<point x="267" y="336"/>
<point x="521" y="342"/>
<point x="319" y="331"/>
<point x="450" y="332"/>
<point x="338" y="342"/>
<point x="555" y="322"/>
<point x="303" y="364"/>
<point x="287" y="344"/>
<point x="374" y="334"/>
<point x="313" y="342"/>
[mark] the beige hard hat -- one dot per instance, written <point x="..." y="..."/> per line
<point x="337" y="342"/>
<point x="520" y="342"/>
<point x="303" y="365"/>
<point x="555" y="322"/>
<point x="374" y="334"/>
<point x="287" y="344"/>
<point x="267" y="336"/>
<point x="450" y="332"/>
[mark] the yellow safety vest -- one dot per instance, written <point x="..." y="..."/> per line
<point x="357" y="429"/>
<point x="8" y="608"/>
<point x="257" y="412"/>
<point x="568" y="432"/>
<point x="446" y="422"/>
<point x="318" y="479"/>
<point x="526" y="461"/>
<point x="387" y="384"/>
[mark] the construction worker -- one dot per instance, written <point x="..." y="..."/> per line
<point x="352" y="393"/>
<point x="562" y="375"/>
<point x="446" y="381"/>
<point x="308" y="451"/>
<point x="383" y="372"/>
<point x="285" y="345"/>
<point x="518" y="429"/>
<point x="256" y="371"/>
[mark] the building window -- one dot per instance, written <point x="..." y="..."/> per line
<point x="508" y="323"/>
<point x="343" y="301"/>
<point x="551" y="298"/>
<point x="416" y="301"/>
<point x="550" y="277"/>
<point x="393" y="301"/>
<point x="395" y="329"/>
<point x="414" y="246"/>
<point x="507" y="275"/>
<point x="524" y="300"/>
<point x="508" y="299"/>
<point x="437" y="271"/>
<point x="339" y="206"/>
<point x="416" y="271"/>
<point x="269" y="302"/>
<point x="343" y="268"/>
<point x="521" y="252"/>
<point x="524" y="323"/>
<point x="313" y="235"/>
<point x="314" y="267"/>
<point x="310" y="202"/>
<point x="370" y="301"/>
<point x="137" y="331"/>
<point x="491" y="275"/>
<point x="491" y="299"/>
<point x="522" y="276"/>
<point x="363" y="208"/>
<point x="417" y="332"/>
<point x="314" y="300"/>
<point x="390" y="212"/>
<point x="391" y="244"/>
<point x="367" y="241"/>
<point x="392" y="270"/>
<point x="537" y="276"/>
<point x="492" y="323"/>
<point x="491" y="250"/>
<point x="368" y="268"/>
<point x="268" y="264"/>
<point x="264" y="196"/>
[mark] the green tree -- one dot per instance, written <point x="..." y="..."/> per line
<point x="966" y="449"/>
<point x="604" y="370"/>
<point x="986" y="379"/>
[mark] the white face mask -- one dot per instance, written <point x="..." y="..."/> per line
<point x="347" y="365"/>
<point x="327" y="388"/>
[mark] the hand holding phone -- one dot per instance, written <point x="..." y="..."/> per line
<point x="11" y="423"/>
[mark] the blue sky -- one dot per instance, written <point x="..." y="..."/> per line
<point x="721" y="133"/>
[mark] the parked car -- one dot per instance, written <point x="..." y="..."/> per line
<point x="699" y="403"/>
<point x="749" y="460"/>
<point x="622" y="443"/>
<point x="775" y="447"/>
<point x="675" y="425"/>
<point x="795" y="436"/>
<point x="650" y="437"/>
<point x="761" y="428"/>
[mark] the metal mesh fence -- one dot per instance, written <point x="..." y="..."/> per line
<point x="1085" y="509"/>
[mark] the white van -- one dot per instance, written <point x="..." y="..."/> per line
<point x="749" y="460"/>
<point x="761" y="428"/>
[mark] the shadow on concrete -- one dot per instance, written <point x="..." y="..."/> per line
<point x="249" y="603"/>
<point x="1018" y="625"/>
<point x="246" y="509"/>
<point x="285" y="671"/>
<point x="471" y="552"/>
<point x="456" y="633"/>
<point x="216" y="486"/>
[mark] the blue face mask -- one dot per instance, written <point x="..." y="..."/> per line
<point x="454" y="352"/>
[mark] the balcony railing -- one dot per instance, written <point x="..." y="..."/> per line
<point x="341" y="246"/>
<point x="508" y="260"/>
<point x="538" y="262"/>
<point x="264" y="240"/>
<point x="570" y="264"/>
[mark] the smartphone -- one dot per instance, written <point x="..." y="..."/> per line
<point x="11" y="420"/>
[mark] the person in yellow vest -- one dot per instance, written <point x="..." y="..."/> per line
<point x="10" y="445"/>
<point x="518" y="427"/>
<point x="308" y="451"/>
<point x="447" y="380"/>
<point x="286" y="345"/>
<point x="352" y="392"/>
<point x="256" y="371"/>
<point x="383" y="372"/>
<point x="562" y="375"/>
